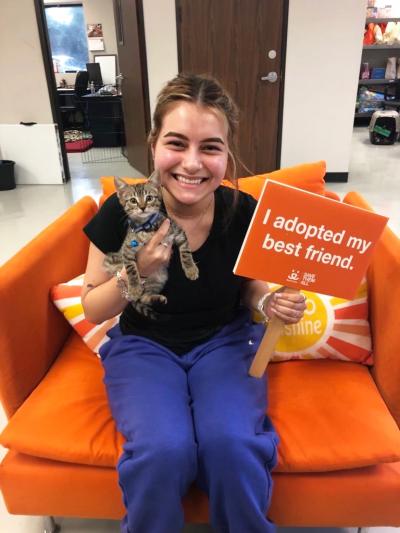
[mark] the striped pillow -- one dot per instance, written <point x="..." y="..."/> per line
<point x="67" y="298"/>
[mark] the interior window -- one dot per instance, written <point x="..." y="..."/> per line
<point x="68" y="40"/>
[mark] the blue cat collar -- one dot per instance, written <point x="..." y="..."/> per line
<point x="148" y="225"/>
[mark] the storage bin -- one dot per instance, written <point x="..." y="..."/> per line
<point x="7" y="178"/>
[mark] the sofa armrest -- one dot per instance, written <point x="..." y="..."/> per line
<point x="32" y="329"/>
<point x="384" y="297"/>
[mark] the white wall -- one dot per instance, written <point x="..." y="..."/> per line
<point x="161" y="44"/>
<point x="101" y="11"/>
<point x="323" y="56"/>
<point x="21" y="66"/>
<point x="24" y="98"/>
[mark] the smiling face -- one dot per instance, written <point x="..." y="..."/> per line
<point x="191" y="153"/>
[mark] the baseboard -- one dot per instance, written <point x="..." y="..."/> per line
<point x="334" y="177"/>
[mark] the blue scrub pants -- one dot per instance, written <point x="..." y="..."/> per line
<point x="197" y="417"/>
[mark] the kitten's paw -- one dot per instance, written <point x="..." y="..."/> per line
<point x="158" y="299"/>
<point x="192" y="273"/>
<point x="144" y="310"/>
<point x="135" y="292"/>
<point x="150" y="299"/>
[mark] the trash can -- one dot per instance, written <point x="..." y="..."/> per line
<point x="7" y="178"/>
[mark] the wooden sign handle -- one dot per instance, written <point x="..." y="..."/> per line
<point x="268" y="343"/>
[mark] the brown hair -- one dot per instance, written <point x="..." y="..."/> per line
<point x="205" y="91"/>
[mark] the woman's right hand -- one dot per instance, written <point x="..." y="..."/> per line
<point x="156" y="252"/>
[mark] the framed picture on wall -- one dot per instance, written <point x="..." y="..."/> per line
<point x="108" y="67"/>
<point x="94" y="30"/>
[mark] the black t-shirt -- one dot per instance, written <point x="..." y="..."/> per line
<point x="196" y="310"/>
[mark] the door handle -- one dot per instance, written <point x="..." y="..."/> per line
<point x="120" y="77"/>
<point x="271" y="77"/>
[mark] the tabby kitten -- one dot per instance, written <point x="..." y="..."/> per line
<point x="144" y="208"/>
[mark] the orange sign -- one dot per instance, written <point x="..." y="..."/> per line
<point x="306" y="241"/>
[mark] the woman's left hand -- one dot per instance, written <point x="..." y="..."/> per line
<point x="288" y="306"/>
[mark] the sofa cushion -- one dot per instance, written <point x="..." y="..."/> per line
<point x="67" y="416"/>
<point x="307" y="176"/>
<point x="332" y="328"/>
<point x="67" y="298"/>
<point x="329" y="416"/>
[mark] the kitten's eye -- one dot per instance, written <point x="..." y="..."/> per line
<point x="133" y="201"/>
<point x="149" y="197"/>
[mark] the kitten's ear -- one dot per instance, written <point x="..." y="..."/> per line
<point x="120" y="185"/>
<point x="154" y="179"/>
<point x="122" y="189"/>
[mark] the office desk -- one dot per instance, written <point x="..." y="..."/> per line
<point x="105" y="119"/>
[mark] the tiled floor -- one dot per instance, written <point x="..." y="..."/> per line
<point x="374" y="172"/>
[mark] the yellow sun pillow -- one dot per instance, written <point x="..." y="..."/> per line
<point x="67" y="298"/>
<point x="332" y="328"/>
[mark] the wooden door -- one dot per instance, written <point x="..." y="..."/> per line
<point x="235" y="40"/>
<point x="134" y="85"/>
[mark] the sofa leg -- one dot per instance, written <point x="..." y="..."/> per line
<point x="50" y="526"/>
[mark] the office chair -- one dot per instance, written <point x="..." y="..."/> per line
<point x="81" y="83"/>
<point x="75" y="115"/>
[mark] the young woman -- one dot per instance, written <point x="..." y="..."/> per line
<point x="178" y="385"/>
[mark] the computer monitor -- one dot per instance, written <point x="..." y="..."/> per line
<point x="94" y="72"/>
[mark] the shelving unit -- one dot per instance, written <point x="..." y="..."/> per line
<point x="380" y="20"/>
<point x="362" y="115"/>
<point x="376" y="55"/>
<point x="376" y="82"/>
<point x="381" y="47"/>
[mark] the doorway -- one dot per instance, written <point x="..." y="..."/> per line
<point x="96" y="114"/>
<point x="242" y="44"/>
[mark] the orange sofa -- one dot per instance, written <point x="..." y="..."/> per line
<point x="339" y="457"/>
